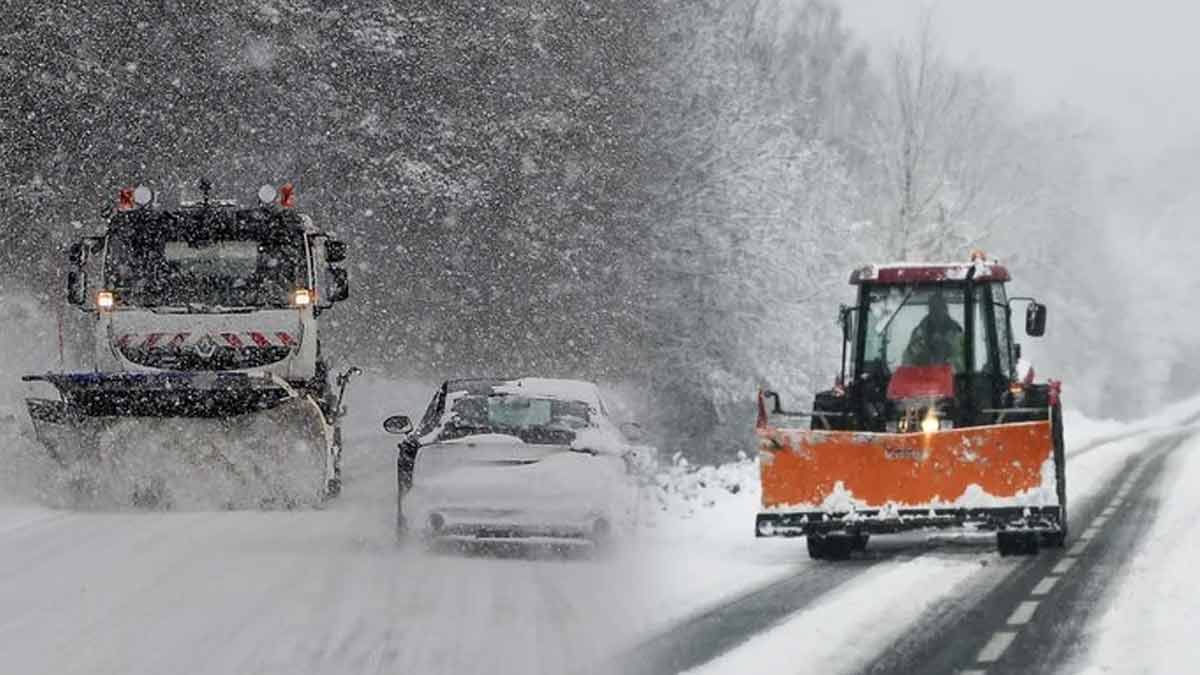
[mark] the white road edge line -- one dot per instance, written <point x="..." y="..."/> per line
<point x="1023" y="613"/>
<point x="1077" y="549"/>
<point x="1044" y="586"/>
<point x="995" y="647"/>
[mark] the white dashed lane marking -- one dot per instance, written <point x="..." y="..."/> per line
<point x="995" y="647"/>
<point x="1023" y="613"/>
<point x="1001" y="640"/>
<point x="1064" y="565"/>
<point x="1044" y="586"/>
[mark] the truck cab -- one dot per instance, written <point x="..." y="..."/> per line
<point x="209" y="286"/>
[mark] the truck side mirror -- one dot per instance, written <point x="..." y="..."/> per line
<point x="341" y="284"/>
<point x="76" y="288"/>
<point x="76" y="281"/>
<point x="1035" y="319"/>
<point x="75" y="255"/>
<point x="335" y="251"/>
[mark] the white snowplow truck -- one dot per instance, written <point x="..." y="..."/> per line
<point x="208" y="386"/>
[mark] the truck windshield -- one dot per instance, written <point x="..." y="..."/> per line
<point x="243" y="272"/>
<point x="914" y="326"/>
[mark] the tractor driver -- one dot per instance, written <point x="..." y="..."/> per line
<point x="937" y="339"/>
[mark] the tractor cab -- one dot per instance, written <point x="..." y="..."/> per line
<point x="929" y="347"/>
<point x="930" y="424"/>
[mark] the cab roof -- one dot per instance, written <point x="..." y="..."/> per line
<point x="913" y="273"/>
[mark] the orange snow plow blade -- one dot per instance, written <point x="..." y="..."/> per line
<point x="847" y="470"/>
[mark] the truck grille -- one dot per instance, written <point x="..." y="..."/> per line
<point x="220" y="358"/>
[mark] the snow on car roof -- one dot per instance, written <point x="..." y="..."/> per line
<point x="902" y="272"/>
<point x="570" y="390"/>
<point x="541" y="387"/>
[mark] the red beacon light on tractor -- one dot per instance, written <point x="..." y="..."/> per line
<point x="287" y="196"/>
<point x="129" y="199"/>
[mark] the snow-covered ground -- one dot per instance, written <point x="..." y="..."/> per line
<point x="1150" y="626"/>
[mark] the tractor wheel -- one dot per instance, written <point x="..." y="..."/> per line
<point x="860" y="541"/>
<point x="816" y="546"/>
<point x="839" y="546"/>
<point x="1056" y="539"/>
<point x="1017" y="542"/>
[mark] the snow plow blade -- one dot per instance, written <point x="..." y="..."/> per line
<point x="220" y="440"/>
<point x="995" y="477"/>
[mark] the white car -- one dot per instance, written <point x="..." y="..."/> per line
<point x="531" y="460"/>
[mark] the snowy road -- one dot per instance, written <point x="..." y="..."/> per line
<point x="919" y="606"/>
<point x="319" y="592"/>
<point x="329" y="592"/>
<point x="297" y="592"/>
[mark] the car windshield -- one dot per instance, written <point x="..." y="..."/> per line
<point x="507" y="412"/>
<point x="243" y="272"/>
<point x="914" y="326"/>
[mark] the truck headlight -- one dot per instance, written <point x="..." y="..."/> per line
<point x="302" y="297"/>
<point x="105" y="300"/>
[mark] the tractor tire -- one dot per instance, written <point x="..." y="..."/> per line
<point x="860" y="541"/>
<point x="1017" y="542"/>
<point x="838" y="546"/>
<point x="816" y="546"/>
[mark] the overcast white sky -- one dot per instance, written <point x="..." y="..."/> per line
<point x="1133" y="66"/>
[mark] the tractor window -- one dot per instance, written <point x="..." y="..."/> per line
<point x="914" y="325"/>
<point x="1003" y="331"/>
<point x="982" y="355"/>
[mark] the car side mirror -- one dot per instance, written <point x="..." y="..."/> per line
<point x="341" y="284"/>
<point x="1035" y="319"/>
<point x="1017" y="351"/>
<point x="398" y="424"/>
<point x="335" y="251"/>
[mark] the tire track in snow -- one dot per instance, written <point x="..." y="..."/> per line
<point x="711" y="633"/>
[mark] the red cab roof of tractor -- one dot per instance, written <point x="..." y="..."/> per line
<point x="915" y="273"/>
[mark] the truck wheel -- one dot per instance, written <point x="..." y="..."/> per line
<point x="333" y="487"/>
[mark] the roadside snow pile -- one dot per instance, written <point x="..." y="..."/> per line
<point x="29" y="340"/>
<point x="684" y="491"/>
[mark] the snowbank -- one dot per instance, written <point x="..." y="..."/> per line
<point x="1150" y="626"/>
<point x="29" y="334"/>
